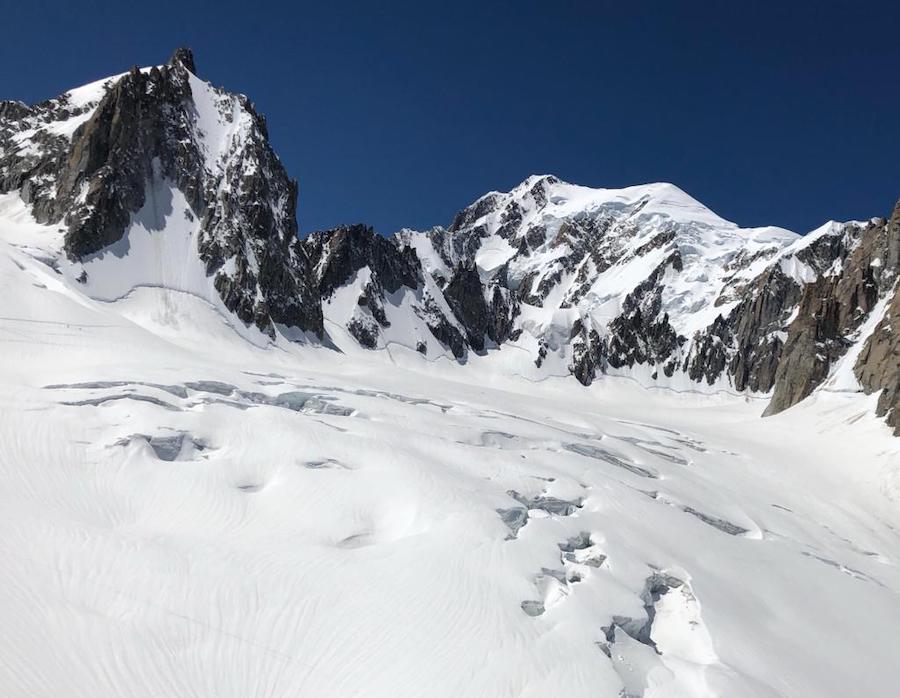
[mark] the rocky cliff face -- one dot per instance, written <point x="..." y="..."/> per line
<point x="878" y="365"/>
<point x="831" y="309"/>
<point x="643" y="281"/>
<point x="878" y="368"/>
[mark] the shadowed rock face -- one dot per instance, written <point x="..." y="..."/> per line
<point x="466" y="296"/>
<point x="486" y="311"/>
<point x="339" y="253"/>
<point x="337" y="256"/>
<point x="878" y="366"/>
<point x="641" y="333"/>
<point x="139" y="122"/>
<point x="747" y="344"/>
<point x="588" y="353"/>
<point x="833" y="307"/>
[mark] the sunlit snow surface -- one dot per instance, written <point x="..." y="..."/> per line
<point x="184" y="513"/>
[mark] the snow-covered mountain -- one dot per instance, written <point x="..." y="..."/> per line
<point x="158" y="179"/>
<point x="239" y="463"/>
<point x="647" y="281"/>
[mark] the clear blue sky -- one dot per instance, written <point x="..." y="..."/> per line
<point x="400" y="113"/>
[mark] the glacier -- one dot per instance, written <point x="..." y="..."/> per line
<point x="396" y="498"/>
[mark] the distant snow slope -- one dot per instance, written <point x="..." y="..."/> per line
<point x="183" y="513"/>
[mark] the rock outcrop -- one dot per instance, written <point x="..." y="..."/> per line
<point x="386" y="278"/>
<point x="833" y="307"/>
<point x="878" y="365"/>
<point x="878" y="368"/>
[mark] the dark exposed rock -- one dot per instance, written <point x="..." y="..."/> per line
<point x="338" y="254"/>
<point x="642" y="334"/>
<point x="465" y="218"/>
<point x="709" y="353"/>
<point x="443" y="328"/>
<point x="484" y="311"/>
<point x="365" y="332"/>
<point x="747" y="344"/>
<point x="588" y="353"/>
<point x="878" y="365"/>
<point x="453" y="248"/>
<point x="832" y="308"/>
<point x="813" y="342"/>
<point x="465" y="295"/>
<point x="656" y="242"/>
<point x="184" y="57"/>
<point x="140" y="124"/>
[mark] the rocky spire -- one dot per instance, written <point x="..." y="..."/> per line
<point x="184" y="57"/>
<point x="141" y="137"/>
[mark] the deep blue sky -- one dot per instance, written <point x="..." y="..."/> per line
<point x="401" y="113"/>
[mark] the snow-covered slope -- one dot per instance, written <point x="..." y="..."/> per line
<point x="186" y="513"/>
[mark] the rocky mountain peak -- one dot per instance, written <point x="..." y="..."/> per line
<point x="153" y="147"/>
<point x="184" y="57"/>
